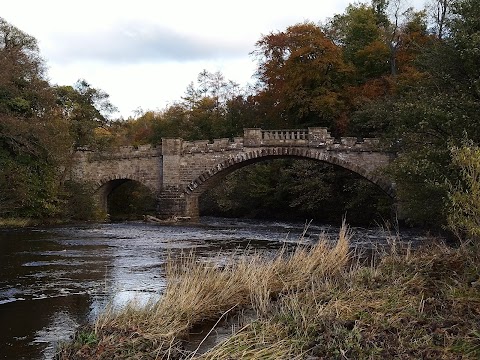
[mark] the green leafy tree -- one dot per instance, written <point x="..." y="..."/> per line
<point x="24" y="90"/>
<point x="254" y="191"/>
<point x="327" y="193"/>
<point x="298" y="189"/>
<point x="86" y="109"/>
<point x="34" y="140"/>
<point x="359" y="32"/>
<point x="465" y="39"/>
<point x="464" y="197"/>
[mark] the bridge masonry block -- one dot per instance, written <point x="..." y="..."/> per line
<point x="319" y="137"/>
<point x="205" y="146"/>
<point x="171" y="157"/>
<point x="349" y="142"/>
<point x="130" y="163"/>
<point x="252" y="137"/>
<point x="172" y="201"/>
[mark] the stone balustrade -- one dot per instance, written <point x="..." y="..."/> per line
<point x="312" y="137"/>
<point x="284" y="135"/>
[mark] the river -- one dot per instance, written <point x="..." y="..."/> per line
<point x="54" y="279"/>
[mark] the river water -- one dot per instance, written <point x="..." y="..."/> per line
<point x="54" y="279"/>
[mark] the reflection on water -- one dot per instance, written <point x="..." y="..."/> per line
<point x="52" y="280"/>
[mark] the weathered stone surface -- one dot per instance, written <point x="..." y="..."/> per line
<point x="179" y="171"/>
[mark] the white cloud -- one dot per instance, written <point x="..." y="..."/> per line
<point x="129" y="43"/>
<point x="144" y="53"/>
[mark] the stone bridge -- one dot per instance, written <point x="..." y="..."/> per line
<point x="178" y="171"/>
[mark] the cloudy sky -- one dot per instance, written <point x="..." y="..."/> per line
<point x="144" y="53"/>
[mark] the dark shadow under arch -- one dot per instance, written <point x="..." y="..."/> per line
<point x="296" y="189"/>
<point x="109" y="186"/>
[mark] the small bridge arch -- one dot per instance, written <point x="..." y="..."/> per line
<point x="108" y="184"/>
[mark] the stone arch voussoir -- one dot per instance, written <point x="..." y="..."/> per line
<point x="112" y="177"/>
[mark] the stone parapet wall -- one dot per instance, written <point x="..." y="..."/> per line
<point x="312" y="137"/>
<point x="218" y="145"/>
<point x="125" y="152"/>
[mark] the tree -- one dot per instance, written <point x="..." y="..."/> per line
<point x="358" y="31"/>
<point x="86" y="109"/>
<point x="464" y="197"/>
<point x="465" y="39"/>
<point x="440" y="13"/>
<point x="421" y="122"/>
<point x="381" y="52"/>
<point x="23" y="88"/>
<point x="34" y="143"/>
<point x="300" y="78"/>
<point x="208" y="104"/>
<point x="380" y="9"/>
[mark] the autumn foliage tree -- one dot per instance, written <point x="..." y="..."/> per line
<point x="301" y="74"/>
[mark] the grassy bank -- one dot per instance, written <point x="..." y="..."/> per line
<point x="15" y="222"/>
<point x="319" y="301"/>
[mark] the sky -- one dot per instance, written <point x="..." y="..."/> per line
<point x="144" y="53"/>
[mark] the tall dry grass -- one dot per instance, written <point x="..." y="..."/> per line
<point x="14" y="222"/>
<point x="411" y="305"/>
<point x="199" y="291"/>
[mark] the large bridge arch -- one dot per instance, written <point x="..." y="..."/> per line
<point x="217" y="173"/>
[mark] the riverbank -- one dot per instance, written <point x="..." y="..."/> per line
<point x="11" y="223"/>
<point x="317" y="302"/>
<point x="18" y="223"/>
